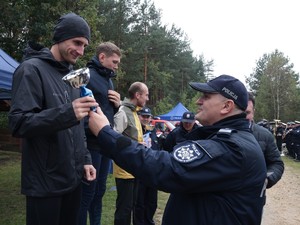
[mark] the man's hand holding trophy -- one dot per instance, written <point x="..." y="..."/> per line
<point x="79" y="79"/>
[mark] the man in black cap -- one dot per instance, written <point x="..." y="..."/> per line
<point x="215" y="179"/>
<point x="47" y="114"/>
<point x="295" y="141"/>
<point x="146" y="198"/>
<point x="187" y="124"/>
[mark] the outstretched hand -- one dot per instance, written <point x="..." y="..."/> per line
<point x="97" y="121"/>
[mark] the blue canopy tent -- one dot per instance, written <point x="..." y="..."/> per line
<point x="175" y="114"/>
<point x="7" y="67"/>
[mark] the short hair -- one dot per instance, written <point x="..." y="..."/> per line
<point x="135" y="87"/>
<point x="108" y="48"/>
<point x="251" y="98"/>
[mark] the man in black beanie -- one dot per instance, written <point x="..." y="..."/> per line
<point x="71" y="26"/>
<point x="48" y="115"/>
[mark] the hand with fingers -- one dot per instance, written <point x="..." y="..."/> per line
<point x="82" y="106"/>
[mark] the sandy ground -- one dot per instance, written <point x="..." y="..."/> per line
<point x="283" y="200"/>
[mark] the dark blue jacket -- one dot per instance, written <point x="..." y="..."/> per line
<point x="100" y="82"/>
<point x="179" y="134"/>
<point x="155" y="142"/>
<point x="217" y="179"/>
<point x="295" y="137"/>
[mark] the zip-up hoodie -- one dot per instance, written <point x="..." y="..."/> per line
<point x="41" y="113"/>
<point x="127" y="122"/>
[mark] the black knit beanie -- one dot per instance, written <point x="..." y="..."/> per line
<point x="70" y="26"/>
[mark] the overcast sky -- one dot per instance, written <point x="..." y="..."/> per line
<point x="236" y="33"/>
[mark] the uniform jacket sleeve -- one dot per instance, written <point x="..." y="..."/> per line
<point x="189" y="172"/>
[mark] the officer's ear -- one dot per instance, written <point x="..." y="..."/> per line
<point x="228" y="106"/>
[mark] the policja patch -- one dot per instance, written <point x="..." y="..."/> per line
<point x="186" y="152"/>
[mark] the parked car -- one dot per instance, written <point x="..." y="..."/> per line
<point x="162" y="126"/>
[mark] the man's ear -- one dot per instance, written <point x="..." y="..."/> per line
<point x="136" y="95"/>
<point x="101" y="57"/>
<point x="228" y="106"/>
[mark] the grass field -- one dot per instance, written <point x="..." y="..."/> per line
<point x="12" y="203"/>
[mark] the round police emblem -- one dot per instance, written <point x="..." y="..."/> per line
<point x="186" y="153"/>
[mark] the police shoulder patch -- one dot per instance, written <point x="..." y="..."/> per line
<point x="186" y="152"/>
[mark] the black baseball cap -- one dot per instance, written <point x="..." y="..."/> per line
<point x="226" y="85"/>
<point x="188" y="117"/>
<point x="145" y="111"/>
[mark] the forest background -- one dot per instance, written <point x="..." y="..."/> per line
<point x="152" y="53"/>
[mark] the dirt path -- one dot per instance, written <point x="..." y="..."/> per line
<point x="283" y="206"/>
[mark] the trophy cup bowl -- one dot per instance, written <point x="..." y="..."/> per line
<point x="78" y="78"/>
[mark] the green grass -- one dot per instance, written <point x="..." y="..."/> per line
<point x="12" y="203"/>
<point x="288" y="162"/>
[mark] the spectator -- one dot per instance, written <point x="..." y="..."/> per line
<point x="217" y="179"/>
<point x="102" y="69"/>
<point x="146" y="201"/>
<point x="279" y="130"/>
<point x="295" y="141"/>
<point x="127" y="123"/>
<point x="47" y="114"/>
<point x="187" y="124"/>
<point x="266" y="140"/>
<point x="289" y="140"/>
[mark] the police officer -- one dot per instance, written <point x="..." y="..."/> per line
<point x="288" y="139"/>
<point x="278" y="135"/>
<point x="295" y="139"/>
<point x="217" y="179"/>
<point x="179" y="134"/>
<point x="146" y="199"/>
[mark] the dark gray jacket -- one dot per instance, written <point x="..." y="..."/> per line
<point x="53" y="146"/>
<point x="275" y="165"/>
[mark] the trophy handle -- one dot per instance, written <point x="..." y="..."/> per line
<point x="87" y="92"/>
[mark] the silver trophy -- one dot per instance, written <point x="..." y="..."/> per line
<point x="79" y="79"/>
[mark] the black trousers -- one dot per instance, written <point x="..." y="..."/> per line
<point x="58" y="210"/>
<point x="297" y="151"/>
<point x="145" y="205"/>
<point x="279" y="144"/>
<point x="126" y="195"/>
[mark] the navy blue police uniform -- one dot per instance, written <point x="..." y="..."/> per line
<point x="217" y="179"/>
<point x="296" y="142"/>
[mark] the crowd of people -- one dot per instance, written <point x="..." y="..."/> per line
<point x="287" y="137"/>
<point x="291" y="138"/>
<point x="215" y="170"/>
